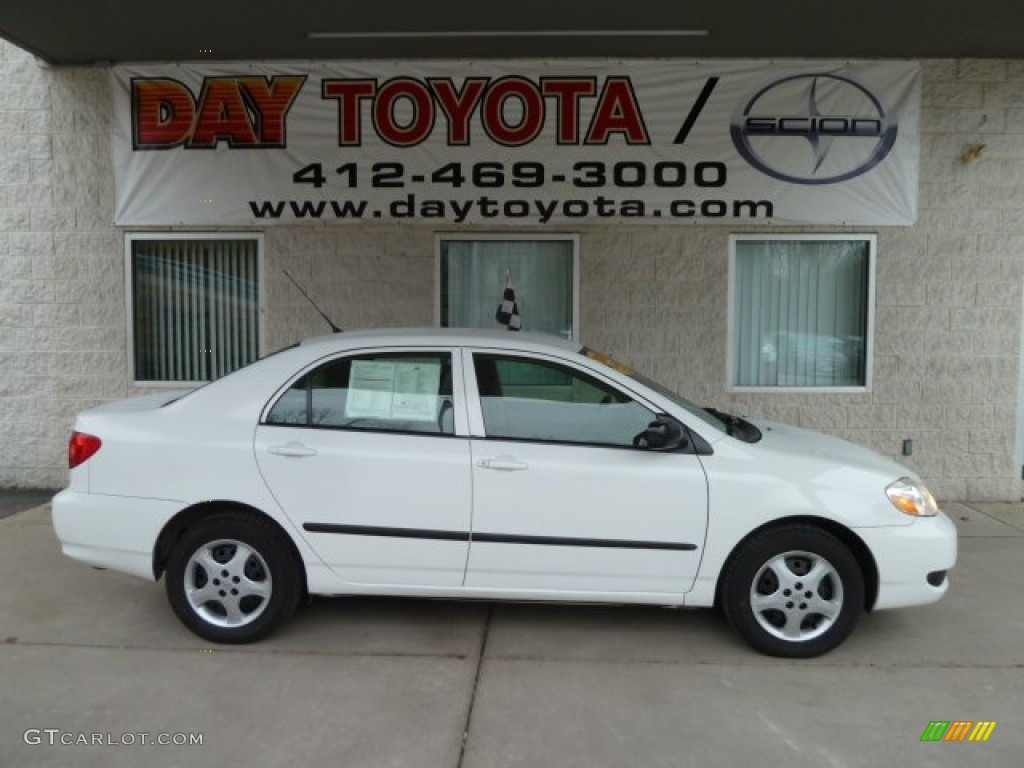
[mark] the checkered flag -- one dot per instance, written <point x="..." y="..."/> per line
<point x="508" y="310"/>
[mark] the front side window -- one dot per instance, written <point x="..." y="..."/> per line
<point x="529" y="399"/>
<point x="801" y="312"/>
<point x="195" y="306"/>
<point x="395" y="392"/>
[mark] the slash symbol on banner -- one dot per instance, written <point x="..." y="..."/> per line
<point x="695" y="110"/>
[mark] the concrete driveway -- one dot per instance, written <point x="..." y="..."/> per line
<point x="98" y="659"/>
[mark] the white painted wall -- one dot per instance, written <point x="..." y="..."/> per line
<point x="949" y="300"/>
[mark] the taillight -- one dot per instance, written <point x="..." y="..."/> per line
<point x="81" y="447"/>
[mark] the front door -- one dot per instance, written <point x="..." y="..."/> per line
<point x="363" y="455"/>
<point x="562" y="500"/>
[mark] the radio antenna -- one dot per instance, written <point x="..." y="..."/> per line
<point x="330" y="322"/>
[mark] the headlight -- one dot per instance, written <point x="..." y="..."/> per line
<point x="912" y="498"/>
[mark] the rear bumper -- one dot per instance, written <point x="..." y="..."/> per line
<point x="905" y="557"/>
<point x="116" y="532"/>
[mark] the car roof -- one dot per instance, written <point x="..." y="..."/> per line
<point x="523" y="340"/>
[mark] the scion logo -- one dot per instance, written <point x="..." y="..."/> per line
<point x="813" y="129"/>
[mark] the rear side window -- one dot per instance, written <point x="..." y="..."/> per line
<point x="395" y="392"/>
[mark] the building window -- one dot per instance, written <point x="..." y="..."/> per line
<point x="542" y="272"/>
<point x="194" y="309"/>
<point x="801" y="312"/>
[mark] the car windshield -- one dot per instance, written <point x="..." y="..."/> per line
<point x="661" y="389"/>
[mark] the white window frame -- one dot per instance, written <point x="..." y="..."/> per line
<point x="519" y="236"/>
<point x="869" y="349"/>
<point x="129" y="296"/>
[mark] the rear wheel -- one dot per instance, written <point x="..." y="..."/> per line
<point x="232" y="579"/>
<point x="795" y="591"/>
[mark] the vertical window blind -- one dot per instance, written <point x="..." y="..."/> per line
<point x="801" y="313"/>
<point x="540" y="272"/>
<point x="195" y="306"/>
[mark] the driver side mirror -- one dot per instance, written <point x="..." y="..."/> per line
<point x="662" y="434"/>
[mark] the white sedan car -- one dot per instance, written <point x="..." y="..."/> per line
<point x="466" y="464"/>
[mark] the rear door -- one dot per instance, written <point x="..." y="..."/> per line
<point x="368" y="454"/>
<point x="563" y="501"/>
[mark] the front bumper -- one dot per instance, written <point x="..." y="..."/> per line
<point x="907" y="555"/>
<point x="116" y="532"/>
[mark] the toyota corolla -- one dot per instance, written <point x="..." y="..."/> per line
<point x="493" y="466"/>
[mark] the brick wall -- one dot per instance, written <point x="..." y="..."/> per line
<point x="62" y="317"/>
<point x="948" y="317"/>
<point x="948" y="300"/>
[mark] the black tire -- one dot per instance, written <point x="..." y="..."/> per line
<point x="247" y="570"/>
<point x="774" y="566"/>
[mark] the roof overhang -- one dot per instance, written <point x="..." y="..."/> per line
<point x="72" y="32"/>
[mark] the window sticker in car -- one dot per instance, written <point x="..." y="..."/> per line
<point x="609" y="361"/>
<point x="394" y="389"/>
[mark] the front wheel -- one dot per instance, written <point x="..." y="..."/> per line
<point x="232" y="579"/>
<point x="795" y="591"/>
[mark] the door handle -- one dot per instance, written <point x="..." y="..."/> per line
<point x="297" y="450"/>
<point x="503" y="464"/>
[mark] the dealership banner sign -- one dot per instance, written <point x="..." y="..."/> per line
<point x="516" y="142"/>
